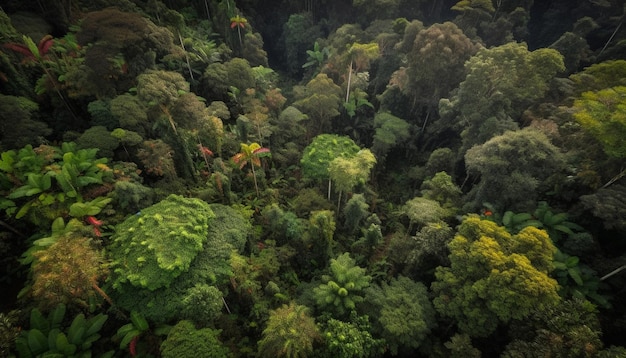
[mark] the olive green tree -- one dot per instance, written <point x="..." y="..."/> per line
<point x="494" y="277"/>
<point x="402" y="313"/>
<point x="290" y="332"/>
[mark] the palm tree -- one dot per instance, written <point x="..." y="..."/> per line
<point x="251" y="153"/>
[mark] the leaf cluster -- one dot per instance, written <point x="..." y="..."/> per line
<point x="47" y="336"/>
<point x="152" y="248"/>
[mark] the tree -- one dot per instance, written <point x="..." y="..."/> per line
<point x="194" y="294"/>
<point x="571" y="329"/>
<point x="322" y="151"/>
<point x="359" y="57"/>
<point x="494" y="277"/>
<point x="299" y="35"/>
<point x="603" y="114"/>
<point x="343" y="288"/>
<point x="290" y="332"/>
<point x="320" y="101"/>
<point x="403" y="314"/>
<point x="512" y="167"/>
<point x="501" y="83"/>
<point x="67" y="272"/>
<point x="422" y="211"/>
<point x="151" y="249"/>
<point x="350" y="338"/>
<point x="391" y="131"/>
<point x="185" y="341"/>
<point x="435" y="65"/>
<point x="251" y="153"/>
<point x="347" y="173"/>
<point x="219" y="78"/>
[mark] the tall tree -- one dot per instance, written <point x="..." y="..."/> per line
<point x="402" y="313"/>
<point x="322" y="151"/>
<point x="512" y="167"/>
<point x="251" y="153"/>
<point x="494" y="277"/>
<point x="320" y="101"/>
<point x="603" y="114"/>
<point x="501" y="83"/>
<point x="349" y="172"/>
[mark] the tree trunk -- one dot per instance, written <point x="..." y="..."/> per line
<point x="349" y="82"/>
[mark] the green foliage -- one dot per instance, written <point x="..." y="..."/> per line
<point x="321" y="232"/>
<point x="571" y="329"/>
<point x="131" y="113"/>
<point x="418" y="254"/>
<point x="227" y="233"/>
<point x="391" y="131"/>
<point x="460" y="346"/>
<point x="435" y="63"/>
<point x="290" y="332"/>
<point x="494" y="276"/>
<point x="512" y="166"/>
<point x="577" y="280"/>
<point x="299" y="35"/>
<point x="320" y="101"/>
<point x="282" y="226"/>
<point x="422" y="211"/>
<point x="343" y="288"/>
<point x="67" y="272"/>
<point x="131" y="197"/>
<point x="555" y="224"/>
<point x="100" y="138"/>
<point x="608" y="205"/>
<point x="600" y="76"/>
<point x="501" y="82"/>
<point x="100" y="111"/>
<point x="152" y="248"/>
<point x="349" y="339"/>
<point x="603" y="115"/>
<point x="203" y="303"/>
<point x="9" y="331"/>
<point x="42" y="184"/>
<point x="442" y="189"/>
<point x="48" y="338"/>
<point x="131" y="331"/>
<point x="185" y="341"/>
<point x="404" y="315"/>
<point x="316" y="56"/>
<point x="17" y="125"/>
<point x="350" y="172"/>
<point x="322" y="151"/>
<point x="355" y="211"/>
<point x="219" y="77"/>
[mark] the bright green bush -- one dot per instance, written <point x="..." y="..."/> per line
<point x="155" y="246"/>
<point x="193" y="294"/>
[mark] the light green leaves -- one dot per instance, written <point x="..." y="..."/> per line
<point x="343" y="287"/>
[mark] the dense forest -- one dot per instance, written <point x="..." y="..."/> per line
<point x="313" y="178"/>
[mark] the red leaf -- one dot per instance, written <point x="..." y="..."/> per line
<point x="93" y="221"/>
<point x="44" y="44"/>
<point x="261" y="150"/>
<point x="19" y="49"/>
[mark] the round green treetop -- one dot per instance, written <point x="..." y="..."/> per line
<point x="153" y="247"/>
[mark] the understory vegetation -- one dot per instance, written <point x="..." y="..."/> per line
<point x="349" y="178"/>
